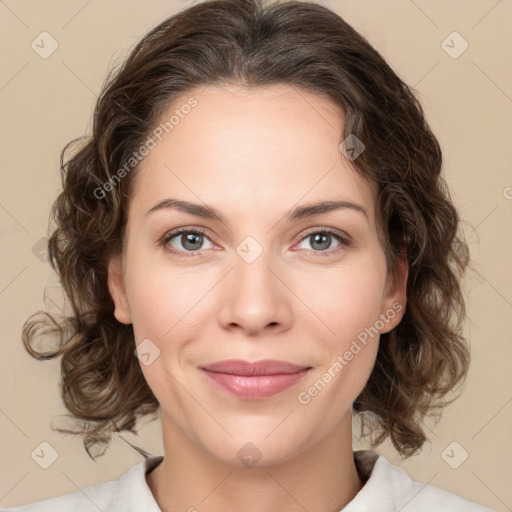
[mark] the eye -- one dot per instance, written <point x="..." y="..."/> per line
<point x="321" y="241"/>
<point x="185" y="240"/>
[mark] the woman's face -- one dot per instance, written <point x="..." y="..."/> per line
<point x="263" y="282"/>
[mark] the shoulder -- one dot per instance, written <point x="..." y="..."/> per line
<point x="415" y="496"/>
<point x="390" y="489"/>
<point x="87" y="499"/>
<point x="129" y="492"/>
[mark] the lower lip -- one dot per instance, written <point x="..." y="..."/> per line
<point x="256" y="387"/>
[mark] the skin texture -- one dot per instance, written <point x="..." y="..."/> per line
<point x="254" y="155"/>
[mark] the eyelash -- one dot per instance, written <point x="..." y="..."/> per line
<point x="344" y="241"/>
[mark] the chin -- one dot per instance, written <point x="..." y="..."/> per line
<point x="257" y="444"/>
<point x="257" y="453"/>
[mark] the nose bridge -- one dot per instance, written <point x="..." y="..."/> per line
<point x="251" y="272"/>
<point x="255" y="298"/>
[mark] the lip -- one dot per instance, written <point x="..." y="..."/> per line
<point x="253" y="381"/>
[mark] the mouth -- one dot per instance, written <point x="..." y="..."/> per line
<point x="254" y="381"/>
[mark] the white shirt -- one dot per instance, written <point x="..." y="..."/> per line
<point x="388" y="488"/>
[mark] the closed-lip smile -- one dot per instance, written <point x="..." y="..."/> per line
<point x="254" y="380"/>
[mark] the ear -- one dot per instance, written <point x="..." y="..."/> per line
<point x="117" y="290"/>
<point x="395" y="297"/>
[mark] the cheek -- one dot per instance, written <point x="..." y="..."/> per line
<point x="165" y="306"/>
<point x="349" y="306"/>
<point x="348" y="299"/>
<point x="163" y="298"/>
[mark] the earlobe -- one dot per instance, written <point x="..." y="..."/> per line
<point x="117" y="290"/>
<point x="393" y="305"/>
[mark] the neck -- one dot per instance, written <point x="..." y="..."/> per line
<point x="323" y="478"/>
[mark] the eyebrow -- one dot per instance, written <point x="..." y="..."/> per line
<point x="297" y="213"/>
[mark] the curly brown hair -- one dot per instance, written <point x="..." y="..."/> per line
<point x="246" y="43"/>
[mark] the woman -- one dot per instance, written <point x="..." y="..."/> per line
<point x="257" y="243"/>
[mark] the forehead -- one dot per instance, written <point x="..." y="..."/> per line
<point x="242" y="149"/>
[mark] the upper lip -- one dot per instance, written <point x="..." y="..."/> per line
<point x="246" y="368"/>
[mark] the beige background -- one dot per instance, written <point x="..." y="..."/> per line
<point x="468" y="100"/>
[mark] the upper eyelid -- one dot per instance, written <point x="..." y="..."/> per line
<point x="333" y="231"/>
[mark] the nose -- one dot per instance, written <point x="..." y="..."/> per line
<point x="256" y="298"/>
